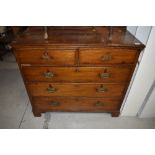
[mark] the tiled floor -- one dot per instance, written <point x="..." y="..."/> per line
<point x="15" y="109"/>
<point x="13" y="99"/>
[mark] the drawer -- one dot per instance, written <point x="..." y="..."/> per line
<point x="76" y="104"/>
<point x="77" y="74"/>
<point x="66" y="89"/>
<point x="107" y="56"/>
<point x="42" y="56"/>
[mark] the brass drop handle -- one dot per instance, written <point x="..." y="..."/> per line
<point x="101" y="89"/>
<point x="53" y="103"/>
<point x="45" y="56"/>
<point x="99" y="103"/>
<point x="51" y="89"/>
<point x="104" y="75"/>
<point x="106" y="58"/>
<point x="49" y="74"/>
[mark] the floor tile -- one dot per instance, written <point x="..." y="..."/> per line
<point x="13" y="98"/>
<point x="97" y="121"/>
<point x="9" y="62"/>
<point x="31" y="122"/>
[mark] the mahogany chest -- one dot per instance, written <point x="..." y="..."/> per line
<point x="76" y="69"/>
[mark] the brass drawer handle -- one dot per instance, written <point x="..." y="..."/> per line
<point x="51" y="89"/>
<point x="45" y="56"/>
<point x="53" y="103"/>
<point x="99" y="103"/>
<point x="101" y="89"/>
<point x="49" y="74"/>
<point x="104" y="75"/>
<point x="106" y="58"/>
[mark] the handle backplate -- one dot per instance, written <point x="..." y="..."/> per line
<point x="99" y="103"/>
<point x="51" y="89"/>
<point x="101" y="89"/>
<point x="106" y="58"/>
<point x="104" y="75"/>
<point x="53" y="103"/>
<point x="45" y="56"/>
<point x="49" y="74"/>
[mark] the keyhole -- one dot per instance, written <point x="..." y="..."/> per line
<point x="46" y="53"/>
<point x="105" y="70"/>
<point x="47" y="71"/>
<point x="77" y="70"/>
<point x="50" y="86"/>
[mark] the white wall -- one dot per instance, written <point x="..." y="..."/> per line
<point x="140" y="32"/>
<point x="144" y="76"/>
<point x="148" y="110"/>
<point x="132" y="29"/>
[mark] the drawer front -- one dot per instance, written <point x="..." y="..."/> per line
<point x="107" y="56"/>
<point x="87" y="90"/>
<point x="77" y="104"/>
<point x="42" y="56"/>
<point x="73" y="74"/>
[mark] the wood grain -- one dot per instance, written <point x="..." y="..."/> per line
<point x="54" y="57"/>
<point x="76" y="104"/>
<point x="77" y="74"/>
<point x="67" y="89"/>
<point x="118" y="56"/>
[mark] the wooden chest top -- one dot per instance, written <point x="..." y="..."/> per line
<point x="73" y="36"/>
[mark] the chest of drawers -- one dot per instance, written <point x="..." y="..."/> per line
<point x="77" y="69"/>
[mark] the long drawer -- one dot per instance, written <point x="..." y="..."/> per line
<point x="43" y="56"/>
<point x="75" y="89"/>
<point x="80" y="74"/>
<point x="107" y="56"/>
<point x="76" y="104"/>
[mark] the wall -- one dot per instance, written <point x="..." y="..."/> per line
<point x="144" y="74"/>
<point x="148" y="110"/>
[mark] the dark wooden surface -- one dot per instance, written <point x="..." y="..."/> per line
<point x="117" y="56"/>
<point x="82" y="89"/>
<point x="85" y="69"/>
<point x="75" y="74"/>
<point x="78" y="36"/>
<point x="44" y="56"/>
<point x="77" y="104"/>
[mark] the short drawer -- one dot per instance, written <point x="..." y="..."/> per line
<point x="42" y="56"/>
<point x="77" y="74"/>
<point x="107" y="56"/>
<point x="76" y="104"/>
<point x="66" y="89"/>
